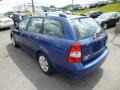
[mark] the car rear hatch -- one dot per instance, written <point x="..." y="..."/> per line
<point x="91" y="37"/>
<point x="93" y="47"/>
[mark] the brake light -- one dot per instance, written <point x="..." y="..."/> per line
<point x="75" y="53"/>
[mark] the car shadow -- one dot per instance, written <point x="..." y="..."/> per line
<point x="117" y="45"/>
<point x="30" y="68"/>
<point x="5" y="29"/>
<point x="115" y="36"/>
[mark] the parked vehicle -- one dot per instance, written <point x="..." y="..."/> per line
<point x="79" y="7"/>
<point x="109" y="2"/>
<point x="5" y="22"/>
<point x="92" y="5"/>
<point x="107" y="19"/>
<point x="102" y="3"/>
<point x="118" y="15"/>
<point x="94" y="14"/>
<point x="73" y="45"/>
<point x="86" y="5"/>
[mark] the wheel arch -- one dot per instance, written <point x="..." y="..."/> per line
<point x="46" y="54"/>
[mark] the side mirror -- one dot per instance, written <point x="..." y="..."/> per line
<point x="17" y="27"/>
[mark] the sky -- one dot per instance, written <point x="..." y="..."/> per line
<point x="6" y="5"/>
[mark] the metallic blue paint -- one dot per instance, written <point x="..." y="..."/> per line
<point x="57" y="49"/>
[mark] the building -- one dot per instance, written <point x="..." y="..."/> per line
<point x="27" y="7"/>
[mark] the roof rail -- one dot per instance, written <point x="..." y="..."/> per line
<point x="62" y="15"/>
<point x="54" y="14"/>
<point x="82" y="14"/>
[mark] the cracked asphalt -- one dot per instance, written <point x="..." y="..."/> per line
<point x="19" y="71"/>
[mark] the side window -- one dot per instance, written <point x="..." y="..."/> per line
<point x="35" y="25"/>
<point x="114" y="16"/>
<point x="53" y="28"/>
<point x="23" y="24"/>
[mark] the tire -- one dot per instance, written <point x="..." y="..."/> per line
<point x="45" y="65"/>
<point x="105" y="26"/>
<point x="14" y="42"/>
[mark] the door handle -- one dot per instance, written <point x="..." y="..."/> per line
<point x="21" y="33"/>
<point x="35" y="37"/>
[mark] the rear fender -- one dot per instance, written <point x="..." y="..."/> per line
<point x="46" y="53"/>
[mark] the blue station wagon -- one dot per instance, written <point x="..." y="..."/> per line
<point x="70" y="44"/>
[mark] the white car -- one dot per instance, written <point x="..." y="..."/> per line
<point x="5" y="22"/>
<point x="109" y="2"/>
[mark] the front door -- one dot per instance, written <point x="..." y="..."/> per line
<point x="32" y="34"/>
<point x="19" y="32"/>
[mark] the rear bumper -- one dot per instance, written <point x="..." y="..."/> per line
<point x="93" y="65"/>
<point x="79" y="70"/>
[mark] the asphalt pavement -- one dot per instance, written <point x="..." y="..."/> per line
<point x="20" y="71"/>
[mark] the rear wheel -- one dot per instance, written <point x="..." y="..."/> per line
<point x="45" y="64"/>
<point x="105" y="26"/>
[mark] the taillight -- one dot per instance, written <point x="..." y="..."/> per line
<point x="75" y="53"/>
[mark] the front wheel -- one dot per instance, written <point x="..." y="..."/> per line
<point x="45" y="64"/>
<point x="13" y="41"/>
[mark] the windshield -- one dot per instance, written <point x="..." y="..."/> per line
<point x="107" y="15"/>
<point x="104" y="16"/>
<point x="2" y="16"/>
<point x="85" y="27"/>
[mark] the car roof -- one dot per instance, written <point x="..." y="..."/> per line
<point x="2" y="16"/>
<point x="61" y="16"/>
<point x="109" y="13"/>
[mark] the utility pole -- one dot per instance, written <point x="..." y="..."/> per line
<point x="24" y="6"/>
<point x="33" y="8"/>
<point x="72" y="5"/>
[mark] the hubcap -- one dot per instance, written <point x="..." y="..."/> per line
<point x="105" y="26"/>
<point x="43" y="63"/>
<point x="13" y="41"/>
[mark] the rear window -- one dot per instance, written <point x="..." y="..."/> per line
<point x="100" y="12"/>
<point x="86" y="27"/>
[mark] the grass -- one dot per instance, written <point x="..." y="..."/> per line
<point x="107" y="8"/>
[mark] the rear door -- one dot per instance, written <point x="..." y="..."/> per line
<point x="48" y="36"/>
<point x="53" y="39"/>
